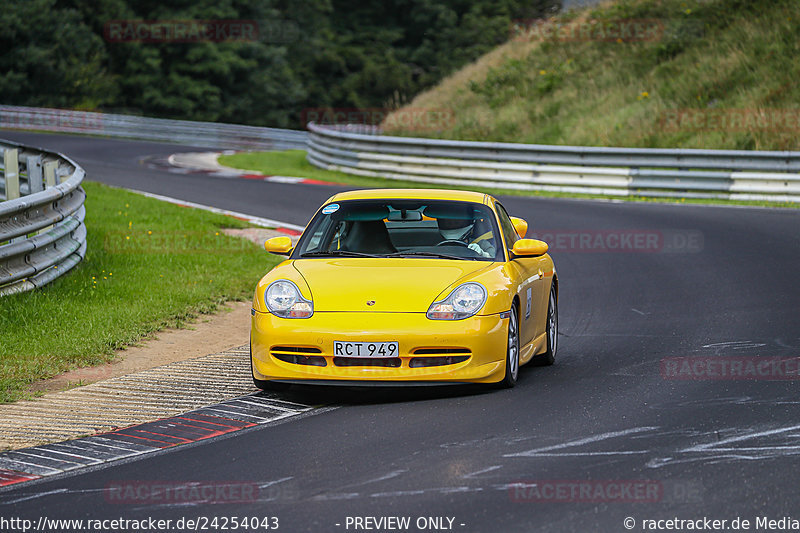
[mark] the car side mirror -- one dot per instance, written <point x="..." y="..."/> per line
<point x="520" y="226"/>
<point x="529" y="248"/>
<point x="279" y="245"/>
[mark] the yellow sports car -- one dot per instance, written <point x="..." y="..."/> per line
<point x="405" y="286"/>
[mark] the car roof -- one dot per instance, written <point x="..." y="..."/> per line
<point x="412" y="194"/>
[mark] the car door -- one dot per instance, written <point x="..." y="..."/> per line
<point x="530" y="274"/>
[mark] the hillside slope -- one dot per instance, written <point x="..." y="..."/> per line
<point x="642" y="73"/>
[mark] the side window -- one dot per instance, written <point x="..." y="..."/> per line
<point x="506" y="226"/>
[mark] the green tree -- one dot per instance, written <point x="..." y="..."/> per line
<point x="51" y="58"/>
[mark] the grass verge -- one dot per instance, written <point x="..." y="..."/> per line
<point x="712" y="74"/>
<point x="294" y="163"/>
<point x="149" y="265"/>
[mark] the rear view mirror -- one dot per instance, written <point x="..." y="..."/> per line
<point x="404" y="216"/>
<point x="279" y="245"/>
<point x="520" y="226"/>
<point x="529" y="248"/>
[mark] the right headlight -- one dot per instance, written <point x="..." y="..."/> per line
<point x="463" y="302"/>
<point x="283" y="299"/>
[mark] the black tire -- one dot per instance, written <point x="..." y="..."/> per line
<point x="549" y="357"/>
<point x="264" y="384"/>
<point x="512" y="352"/>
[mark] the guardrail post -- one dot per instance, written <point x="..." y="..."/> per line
<point x="12" y="173"/>
<point x="33" y="164"/>
<point x="50" y="174"/>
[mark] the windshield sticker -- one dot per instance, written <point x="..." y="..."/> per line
<point x="328" y="209"/>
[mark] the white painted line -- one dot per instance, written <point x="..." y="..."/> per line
<point x="9" y="463"/>
<point x="284" y="179"/>
<point x="68" y="454"/>
<point x="757" y="449"/>
<point x="230" y="414"/>
<point x="384" y="477"/>
<point x="582" y="454"/>
<point x="258" y="221"/>
<point x="397" y="493"/>
<point x="55" y="460"/>
<point x="224" y="174"/>
<point x="271" y="406"/>
<point x="275" y="482"/>
<point x="713" y="446"/>
<point x="118" y="445"/>
<point x="587" y="440"/>
<point x="86" y="448"/>
<point x="272" y="401"/>
<point x="479" y="472"/>
<point x="34" y="496"/>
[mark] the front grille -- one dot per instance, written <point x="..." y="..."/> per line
<point x="442" y="351"/>
<point x="298" y="355"/>
<point x="296" y="349"/>
<point x="301" y="359"/>
<point x="419" y="362"/>
<point x="387" y="362"/>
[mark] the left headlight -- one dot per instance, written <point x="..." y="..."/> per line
<point x="283" y="299"/>
<point x="463" y="302"/>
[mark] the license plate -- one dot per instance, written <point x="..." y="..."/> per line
<point x="365" y="349"/>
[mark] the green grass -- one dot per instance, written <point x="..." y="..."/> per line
<point x="149" y="265"/>
<point x="710" y="57"/>
<point x="294" y="163"/>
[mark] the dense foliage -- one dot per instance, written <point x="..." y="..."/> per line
<point x="307" y="54"/>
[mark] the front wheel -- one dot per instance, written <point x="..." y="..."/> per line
<point x="549" y="357"/>
<point x="512" y="351"/>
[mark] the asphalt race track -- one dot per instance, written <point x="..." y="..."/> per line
<point x="715" y="286"/>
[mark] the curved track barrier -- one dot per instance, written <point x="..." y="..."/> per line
<point x="42" y="235"/>
<point x="202" y="134"/>
<point x="680" y="173"/>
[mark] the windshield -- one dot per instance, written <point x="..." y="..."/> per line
<point x="403" y="228"/>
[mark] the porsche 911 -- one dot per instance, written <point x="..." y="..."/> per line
<point x="405" y="287"/>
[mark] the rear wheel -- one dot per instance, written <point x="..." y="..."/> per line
<point x="549" y="357"/>
<point x="512" y="351"/>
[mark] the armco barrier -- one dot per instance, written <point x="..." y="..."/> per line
<point x="684" y="173"/>
<point x="201" y="134"/>
<point x="42" y="235"/>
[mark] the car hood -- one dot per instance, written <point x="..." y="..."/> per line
<point x="394" y="285"/>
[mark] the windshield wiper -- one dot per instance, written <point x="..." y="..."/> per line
<point x="430" y="254"/>
<point x="342" y="253"/>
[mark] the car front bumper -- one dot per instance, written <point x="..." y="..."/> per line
<point x="296" y="349"/>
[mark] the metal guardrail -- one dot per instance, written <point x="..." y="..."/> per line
<point x="42" y="235"/>
<point x="201" y="134"/>
<point x="683" y="173"/>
